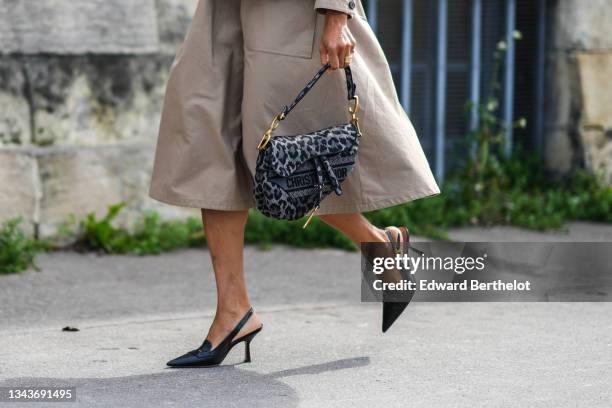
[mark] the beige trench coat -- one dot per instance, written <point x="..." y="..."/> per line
<point x="240" y="63"/>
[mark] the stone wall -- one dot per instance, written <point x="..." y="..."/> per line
<point x="579" y="128"/>
<point x="81" y="90"/>
<point x="78" y="27"/>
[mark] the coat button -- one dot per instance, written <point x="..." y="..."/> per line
<point x="351" y="5"/>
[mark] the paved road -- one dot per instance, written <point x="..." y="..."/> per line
<point x="320" y="346"/>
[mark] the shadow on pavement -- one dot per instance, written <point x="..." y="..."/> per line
<point x="227" y="386"/>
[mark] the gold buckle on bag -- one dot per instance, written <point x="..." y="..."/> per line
<point x="268" y="134"/>
<point x="353" y="110"/>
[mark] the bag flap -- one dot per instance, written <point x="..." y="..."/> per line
<point x="285" y="154"/>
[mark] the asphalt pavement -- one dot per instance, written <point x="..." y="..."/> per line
<point x="320" y="347"/>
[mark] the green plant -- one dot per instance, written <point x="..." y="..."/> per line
<point x="17" y="250"/>
<point x="152" y="235"/>
<point x="487" y="174"/>
<point x="101" y="235"/>
<point x="149" y="235"/>
<point x="519" y="192"/>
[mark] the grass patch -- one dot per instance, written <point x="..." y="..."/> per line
<point x="17" y="250"/>
<point x="151" y="235"/>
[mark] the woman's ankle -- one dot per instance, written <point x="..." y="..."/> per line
<point x="233" y="309"/>
<point x="376" y="235"/>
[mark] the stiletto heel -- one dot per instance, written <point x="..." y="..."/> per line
<point x="205" y="355"/>
<point x="247" y="351"/>
<point x="247" y="343"/>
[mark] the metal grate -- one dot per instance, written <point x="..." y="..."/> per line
<point x="440" y="53"/>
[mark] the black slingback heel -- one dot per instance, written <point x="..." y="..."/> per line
<point x="393" y="309"/>
<point x="205" y="355"/>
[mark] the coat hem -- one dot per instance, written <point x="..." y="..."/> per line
<point x="377" y="205"/>
<point x="181" y="201"/>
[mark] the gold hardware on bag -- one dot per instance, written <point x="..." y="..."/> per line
<point x="312" y="213"/>
<point x="268" y="134"/>
<point x="353" y="110"/>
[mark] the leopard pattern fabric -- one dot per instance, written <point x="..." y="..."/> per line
<point x="294" y="173"/>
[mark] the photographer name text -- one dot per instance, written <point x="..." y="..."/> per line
<point x="467" y="285"/>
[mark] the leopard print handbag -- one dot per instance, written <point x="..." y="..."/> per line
<point x="295" y="173"/>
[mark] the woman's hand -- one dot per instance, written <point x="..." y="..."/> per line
<point x="337" y="43"/>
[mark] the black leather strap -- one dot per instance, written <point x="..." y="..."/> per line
<point x="207" y="345"/>
<point x="350" y="85"/>
<point x="240" y="324"/>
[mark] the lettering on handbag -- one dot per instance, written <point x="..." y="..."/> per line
<point x="308" y="177"/>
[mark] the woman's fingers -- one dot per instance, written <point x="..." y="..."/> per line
<point x="324" y="54"/>
<point x="329" y="53"/>
<point x="344" y="51"/>
<point x="334" y="58"/>
<point x="349" y="47"/>
<point x="337" y="42"/>
<point x="338" y="55"/>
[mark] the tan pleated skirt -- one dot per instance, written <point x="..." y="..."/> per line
<point x="240" y="63"/>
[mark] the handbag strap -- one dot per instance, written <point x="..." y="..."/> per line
<point x="350" y="86"/>
<point x="351" y="96"/>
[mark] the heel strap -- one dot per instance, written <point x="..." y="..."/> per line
<point x="240" y="324"/>
<point x="395" y="243"/>
<point x="207" y="345"/>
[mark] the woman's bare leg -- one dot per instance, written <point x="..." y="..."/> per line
<point x="356" y="227"/>
<point x="225" y="236"/>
